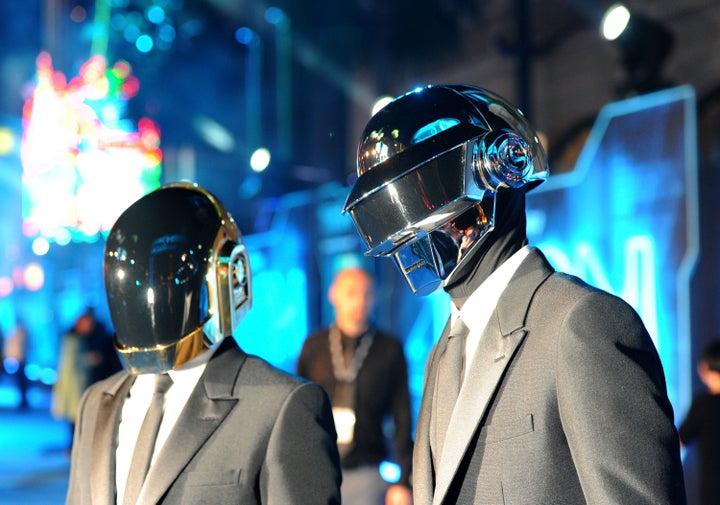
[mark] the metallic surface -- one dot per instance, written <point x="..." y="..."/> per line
<point x="177" y="278"/>
<point x="433" y="156"/>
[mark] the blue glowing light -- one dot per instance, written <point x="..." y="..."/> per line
<point x="244" y="35"/>
<point x="390" y="472"/>
<point x="11" y="365"/>
<point x="166" y="33"/>
<point x="155" y="14"/>
<point x="635" y="181"/>
<point x="275" y="16"/>
<point x="144" y="43"/>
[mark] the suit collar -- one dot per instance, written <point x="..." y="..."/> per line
<point x="219" y="383"/>
<point x="215" y="395"/>
<point x="102" y="473"/>
<point x="531" y="273"/>
<point x="503" y="335"/>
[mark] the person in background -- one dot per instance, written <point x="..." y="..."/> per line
<point x="15" y="359"/>
<point x="102" y="356"/>
<point x="86" y="356"/>
<point x="192" y="418"/>
<point x="365" y="373"/>
<point x="702" y="425"/>
<point x="542" y="389"/>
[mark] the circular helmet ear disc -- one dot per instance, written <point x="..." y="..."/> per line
<point x="503" y="158"/>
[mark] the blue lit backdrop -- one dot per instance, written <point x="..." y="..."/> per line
<point x="625" y="219"/>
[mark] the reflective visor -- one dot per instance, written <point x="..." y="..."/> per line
<point x="418" y="200"/>
<point x="159" y="256"/>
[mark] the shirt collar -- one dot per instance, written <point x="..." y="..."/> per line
<point x="488" y="293"/>
<point x="191" y="372"/>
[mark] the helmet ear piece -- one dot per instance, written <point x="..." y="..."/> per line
<point x="502" y="158"/>
<point x="233" y="285"/>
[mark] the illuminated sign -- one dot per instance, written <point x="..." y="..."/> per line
<point x="83" y="162"/>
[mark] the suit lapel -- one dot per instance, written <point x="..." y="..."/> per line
<point x="501" y="338"/>
<point x="492" y="357"/>
<point x="208" y="405"/>
<point x="102" y="473"/>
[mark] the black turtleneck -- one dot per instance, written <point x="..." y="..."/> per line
<point x="508" y="236"/>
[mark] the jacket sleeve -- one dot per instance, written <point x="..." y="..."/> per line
<point x="614" y="407"/>
<point x="78" y="481"/>
<point x="302" y="464"/>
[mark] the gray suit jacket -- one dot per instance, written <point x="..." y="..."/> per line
<point x="249" y="434"/>
<point x="565" y="404"/>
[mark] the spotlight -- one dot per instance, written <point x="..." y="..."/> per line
<point x="260" y="160"/>
<point x="644" y="46"/>
<point x="614" y="21"/>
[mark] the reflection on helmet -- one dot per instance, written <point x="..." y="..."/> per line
<point x="429" y="165"/>
<point x="177" y="277"/>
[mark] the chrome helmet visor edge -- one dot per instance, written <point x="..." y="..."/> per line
<point x="390" y="210"/>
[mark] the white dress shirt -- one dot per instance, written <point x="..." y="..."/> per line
<point x="480" y="305"/>
<point x="137" y="404"/>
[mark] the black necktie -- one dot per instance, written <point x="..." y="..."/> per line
<point x="449" y="379"/>
<point x="142" y="455"/>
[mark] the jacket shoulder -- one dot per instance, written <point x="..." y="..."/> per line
<point x="257" y="371"/>
<point x="571" y="287"/>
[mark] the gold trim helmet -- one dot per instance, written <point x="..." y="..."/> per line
<point x="429" y="165"/>
<point x="177" y="278"/>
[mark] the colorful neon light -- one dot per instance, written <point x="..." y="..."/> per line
<point x="83" y="161"/>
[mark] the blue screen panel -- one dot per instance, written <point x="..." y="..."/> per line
<point x="625" y="219"/>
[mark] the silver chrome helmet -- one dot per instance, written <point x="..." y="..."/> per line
<point x="177" y="278"/>
<point x="429" y="165"/>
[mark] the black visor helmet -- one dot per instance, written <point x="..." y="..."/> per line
<point x="429" y="164"/>
<point x="177" y="278"/>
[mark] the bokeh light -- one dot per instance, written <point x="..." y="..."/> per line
<point x="260" y="160"/>
<point x="83" y="161"/>
<point x="614" y="21"/>
<point x="7" y="141"/>
<point x="34" y="276"/>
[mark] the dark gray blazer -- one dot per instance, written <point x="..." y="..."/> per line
<point x="565" y="404"/>
<point x="249" y="434"/>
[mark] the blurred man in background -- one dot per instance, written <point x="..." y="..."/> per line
<point x="365" y="373"/>
<point x="702" y="425"/>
